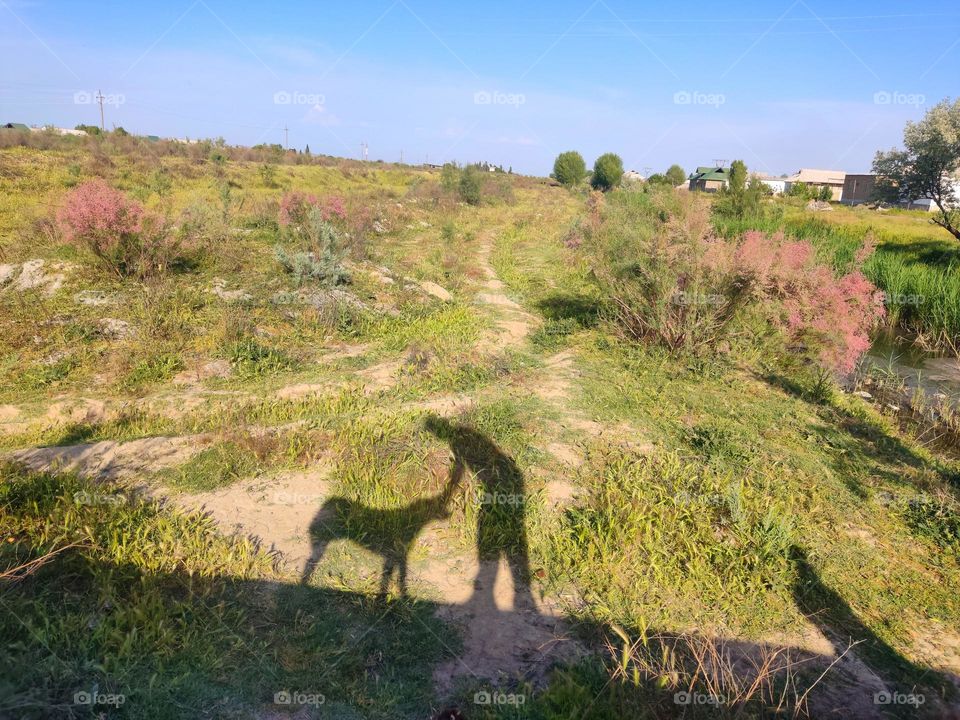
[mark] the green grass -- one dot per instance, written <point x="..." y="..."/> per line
<point x="143" y="602"/>
<point x="718" y="495"/>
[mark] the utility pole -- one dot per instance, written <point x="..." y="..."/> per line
<point x="364" y="151"/>
<point x="100" y="99"/>
<point x="401" y="157"/>
<point x="720" y="163"/>
<point x="286" y="137"/>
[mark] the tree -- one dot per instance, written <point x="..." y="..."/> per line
<point x="675" y="175"/>
<point x="658" y="179"/>
<point x="470" y="185"/>
<point x="569" y="168"/>
<point x="825" y="194"/>
<point x="607" y="172"/>
<point x="741" y="197"/>
<point x="927" y="166"/>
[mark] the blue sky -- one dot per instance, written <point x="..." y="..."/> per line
<point x="782" y="85"/>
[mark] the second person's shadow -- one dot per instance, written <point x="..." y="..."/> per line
<point x="501" y="530"/>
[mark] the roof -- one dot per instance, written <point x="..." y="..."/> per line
<point x="17" y="126"/>
<point x="711" y="173"/>
<point x="818" y="177"/>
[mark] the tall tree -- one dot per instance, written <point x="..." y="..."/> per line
<point x="741" y="197"/>
<point x="607" y="172"/>
<point x="928" y="165"/>
<point x="675" y="175"/>
<point x="569" y="168"/>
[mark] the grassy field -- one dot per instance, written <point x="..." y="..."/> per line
<point x="449" y="482"/>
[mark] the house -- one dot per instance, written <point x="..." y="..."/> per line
<point x="858" y="188"/>
<point x="777" y="185"/>
<point x="16" y="126"/>
<point x="810" y="177"/>
<point x="632" y="176"/>
<point x="709" y="179"/>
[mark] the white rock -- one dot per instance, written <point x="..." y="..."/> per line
<point x="431" y="288"/>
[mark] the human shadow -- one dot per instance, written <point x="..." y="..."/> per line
<point x="501" y="524"/>
<point x="834" y="617"/>
<point x="388" y="532"/>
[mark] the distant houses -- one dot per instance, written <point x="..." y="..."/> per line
<point x="709" y="179"/>
<point x="858" y="188"/>
<point x="45" y="128"/>
<point x="811" y="177"/>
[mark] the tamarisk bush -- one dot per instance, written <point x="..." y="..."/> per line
<point x="116" y="229"/>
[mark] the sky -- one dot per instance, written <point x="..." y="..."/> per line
<point x="780" y="84"/>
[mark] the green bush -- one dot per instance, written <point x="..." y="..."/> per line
<point x="569" y="168"/>
<point x="607" y="172"/>
<point x="470" y="187"/>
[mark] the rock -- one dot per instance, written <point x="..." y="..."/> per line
<point x="863" y="394"/>
<point x="431" y="288"/>
<point x="239" y="295"/>
<point x="378" y="227"/>
<point x="7" y="273"/>
<point x="818" y="205"/>
<point x="32" y="276"/>
<point x="115" y="329"/>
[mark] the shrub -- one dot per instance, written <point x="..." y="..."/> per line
<point x="470" y="187"/>
<point x="324" y="263"/>
<point x="116" y="230"/>
<point x="607" y="172"/>
<point x="296" y="207"/>
<point x="670" y="281"/>
<point x="569" y="168"/>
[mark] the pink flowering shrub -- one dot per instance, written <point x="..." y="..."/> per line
<point x="116" y="229"/>
<point x="832" y="316"/>
<point x="671" y="281"/>
<point x="295" y="207"/>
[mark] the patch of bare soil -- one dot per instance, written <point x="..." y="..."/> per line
<point x="112" y="460"/>
<point x="513" y="322"/>
<point x="277" y="511"/>
<point x="507" y="636"/>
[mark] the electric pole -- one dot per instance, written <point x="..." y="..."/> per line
<point x="364" y="148"/>
<point x="100" y="100"/>
<point x="401" y="157"/>
<point x="286" y="137"/>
